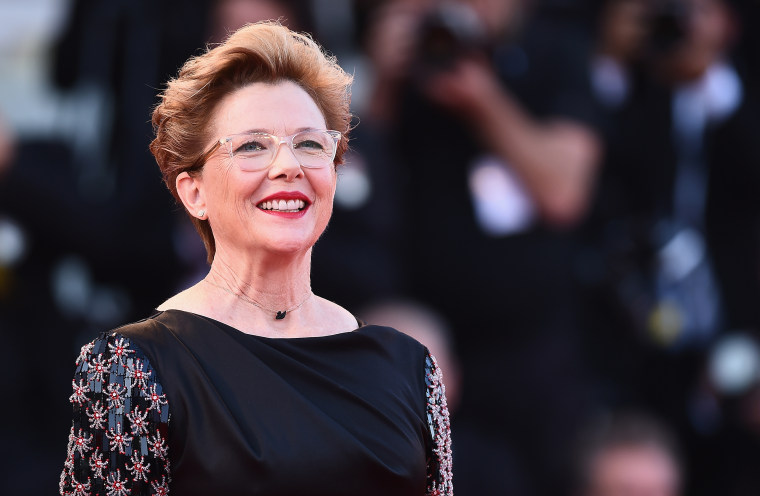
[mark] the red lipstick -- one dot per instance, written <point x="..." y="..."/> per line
<point x="296" y="196"/>
<point x="287" y="195"/>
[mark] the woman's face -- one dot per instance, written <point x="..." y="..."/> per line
<point x="239" y="203"/>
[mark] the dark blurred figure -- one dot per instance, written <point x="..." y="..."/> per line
<point x="628" y="455"/>
<point x="364" y="238"/>
<point x="493" y="119"/>
<point x="622" y="31"/>
<point x="673" y="263"/>
<point x="88" y="202"/>
<point x="81" y="202"/>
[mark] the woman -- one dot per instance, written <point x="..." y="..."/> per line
<point x="247" y="383"/>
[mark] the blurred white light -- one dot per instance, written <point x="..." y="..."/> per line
<point x="72" y="286"/>
<point x="735" y="364"/>
<point x="12" y="243"/>
<point x="354" y="187"/>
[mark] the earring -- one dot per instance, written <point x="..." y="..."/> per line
<point x="201" y="213"/>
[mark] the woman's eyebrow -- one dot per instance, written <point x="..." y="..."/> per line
<point x="267" y="131"/>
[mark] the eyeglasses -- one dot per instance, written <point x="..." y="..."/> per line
<point x="314" y="149"/>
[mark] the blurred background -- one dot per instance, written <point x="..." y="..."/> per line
<point x="558" y="197"/>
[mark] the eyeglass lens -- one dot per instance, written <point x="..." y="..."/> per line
<point x="256" y="151"/>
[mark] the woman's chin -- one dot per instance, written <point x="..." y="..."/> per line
<point x="287" y="246"/>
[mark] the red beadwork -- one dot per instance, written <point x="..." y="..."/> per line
<point x="139" y="468"/>
<point x="117" y="487"/>
<point x="97" y="415"/>
<point x="82" y="442"/>
<point x="440" y="466"/>
<point x="118" y="439"/>
<point x="156" y="400"/>
<point x="139" y="424"/>
<point x="137" y="373"/>
<point x="97" y="367"/>
<point x="80" y="392"/>
<point x="80" y="488"/>
<point x="85" y="352"/>
<point x="160" y="489"/>
<point x="119" y="350"/>
<point x="158" y="446"/>
<point x="97" y="464"/>
<point x="115" y="398"/>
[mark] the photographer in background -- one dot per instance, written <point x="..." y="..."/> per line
<point x="675" y="229"/>
<point x="553" y="151"/>
<point x="493" y="126"/>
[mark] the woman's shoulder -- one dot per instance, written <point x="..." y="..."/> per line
<point x="143" y="338"/>
<point x="121" y="346"/>
<point x="150" y="330"/>
<point x="392" y="338"/>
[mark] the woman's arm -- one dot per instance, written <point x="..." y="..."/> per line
<point x="117" y="443"/>
<point x="439" y="469"/>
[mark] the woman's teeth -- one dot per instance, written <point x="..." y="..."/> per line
<point x="283" y="205"/>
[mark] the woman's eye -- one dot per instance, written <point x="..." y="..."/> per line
<point x="250" y="147"/>
<point x="309" y="145"/>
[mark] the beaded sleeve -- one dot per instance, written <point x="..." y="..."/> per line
<point x="117" y="444"/>
<point x="439" y="467"/>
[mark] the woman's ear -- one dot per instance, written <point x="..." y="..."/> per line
<point x="190" y="191"/>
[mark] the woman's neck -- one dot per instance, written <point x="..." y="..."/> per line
<point x="270" y="296"/>
<point x="269" y="282"/>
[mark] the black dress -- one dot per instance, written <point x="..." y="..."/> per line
<point x="183" y="403"/>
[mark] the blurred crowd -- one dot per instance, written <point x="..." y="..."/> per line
<point x="558" y="197"/>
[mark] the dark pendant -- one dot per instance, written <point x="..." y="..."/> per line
<point x="280" y="315"/>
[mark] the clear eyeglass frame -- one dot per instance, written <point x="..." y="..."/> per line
<point x="310" y="157"/>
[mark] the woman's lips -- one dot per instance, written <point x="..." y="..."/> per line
<point x="285" y="203"/>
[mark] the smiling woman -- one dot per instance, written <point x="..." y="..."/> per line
<point x="247" y="383"/>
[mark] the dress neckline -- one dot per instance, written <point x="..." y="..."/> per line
<point x="361" y="325"/>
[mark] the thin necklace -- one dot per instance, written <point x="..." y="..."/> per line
<point x="278" y="314"/>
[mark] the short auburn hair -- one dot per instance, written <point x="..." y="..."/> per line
<point x="264" y="52"/>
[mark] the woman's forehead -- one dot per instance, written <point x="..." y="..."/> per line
<point x="281" y="108"/>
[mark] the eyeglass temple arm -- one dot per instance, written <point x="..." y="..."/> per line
<point x="202" y="159"/>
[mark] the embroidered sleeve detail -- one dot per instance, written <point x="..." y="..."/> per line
<point x="439" y="465"/>
<point x="117" y="443"/>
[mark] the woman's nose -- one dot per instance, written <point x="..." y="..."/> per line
<point x="284" y="163"/>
